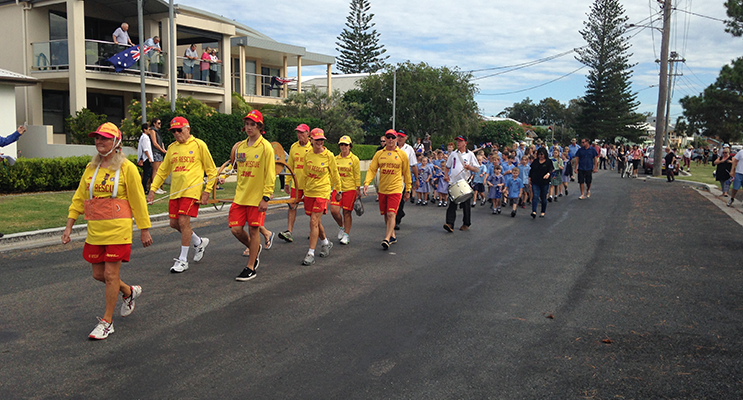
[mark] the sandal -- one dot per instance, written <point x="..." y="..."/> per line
<point x="269" y="241"/>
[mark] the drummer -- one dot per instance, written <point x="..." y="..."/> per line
<point x="394" y="176"/>
<point x="460" y="165"/>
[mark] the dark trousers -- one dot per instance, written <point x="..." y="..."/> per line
<point x="401" y="209"/>
<point x="146" y="175"/>
<point x="451" y="212"/>
<point x="669" y="174"/>
<point x="539" y="192"/>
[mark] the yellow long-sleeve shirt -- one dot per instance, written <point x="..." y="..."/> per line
<point x="256" y="172"/>
<point x="349" y="169"/>
<point x="112" y="231"/>
<point x="296" y="163"/>
<point x="320" y="172"/>
<point x="394" y="171"/>
<point x="188" y="162"/>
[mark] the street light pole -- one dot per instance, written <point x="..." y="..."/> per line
<point x="660" y="116"/>
<point x="143" y="97"/>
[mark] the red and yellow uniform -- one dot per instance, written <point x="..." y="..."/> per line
<point x="296" y="163"/>
<point x="320" y="172"/>
<point x="188" y="162"/>
<point x="256" y="177"/>
<point x="394" y="175"/>
<point x="349" y="169"/>
<point x="112" y="231"/>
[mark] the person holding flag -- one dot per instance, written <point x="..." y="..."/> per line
<point x="256" y="176"/>
<point x="188" y="159"/>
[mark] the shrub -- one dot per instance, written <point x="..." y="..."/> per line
<point x="43" y="174"/>
<point x="84" y="122"/>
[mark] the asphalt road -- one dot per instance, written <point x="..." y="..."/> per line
<point x="634" y="293"/>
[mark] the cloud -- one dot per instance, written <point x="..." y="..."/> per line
<point x="475" y="34"/>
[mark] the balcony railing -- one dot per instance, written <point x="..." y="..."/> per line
<point x="189" y="71"/>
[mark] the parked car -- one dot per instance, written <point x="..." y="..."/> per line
<point x="648" y="162"/>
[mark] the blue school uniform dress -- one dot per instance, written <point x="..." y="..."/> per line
<point x="423" y="174"/>
<point x="495" y="192"/>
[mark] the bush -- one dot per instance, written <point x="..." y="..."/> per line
<point x="43" y="174"/>
<point x="84" y="122"/>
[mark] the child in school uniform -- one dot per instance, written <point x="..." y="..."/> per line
<point x="479" y="181"/>
<point x="425" y="171"/>
<point x="442" y="187"/>
<point x="515" y="187"/>
<point x="496" y="183"/>
<point x="524" y="169"/>
<point x="556" y="178"/>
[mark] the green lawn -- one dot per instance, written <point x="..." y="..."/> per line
<point x="701" y="173"/>
<point x="34" y="211"/>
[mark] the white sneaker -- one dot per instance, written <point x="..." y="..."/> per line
<point x="179" y="266"/>
<point x="160" y="191"/>
<point x="102" y="330"/>
<point x="325" y="249"/>
<point x="199" y="254"/>
<point x="341" y="232"/>
<point x="345" y="239"/>
<point x="127" y="306"/>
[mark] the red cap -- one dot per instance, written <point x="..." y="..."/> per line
<point x="255" y="116"/>
<point x="107" y="130"/>
<point x="402" y="133"/>
<point x="178" y="122"/>
<point x="317" y="133"/>
<point x="302" y="128"/>
<point x="390" y="132"/>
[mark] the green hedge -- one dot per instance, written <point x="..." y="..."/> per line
<point x="42" y="174"/>
<point x="362" y="151"/>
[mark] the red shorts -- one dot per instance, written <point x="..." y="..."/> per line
<point x="239" y="215"/>
<point x="98" y="253"/>
<point x="315" y="205"/>
<point x="299" y="197"/>
<point x="389" y="202"/>
<point x="346" y="200"/>
<point x="183" y="206"/>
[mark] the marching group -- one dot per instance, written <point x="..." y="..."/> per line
<point x="111" y="192"/>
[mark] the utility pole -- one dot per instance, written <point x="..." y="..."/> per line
<point x="671" y="61"/>
<point x="394" y="96"/>
<point x="660" y="116"/>
<point x="143" y="97"/>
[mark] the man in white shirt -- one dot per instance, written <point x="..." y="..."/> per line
<point x="402" y="136"/>
<point x="144" y="157"/>
<point x="121" y="35"/>
<point x="153" y="56"/>
<point x="738" y="167"/>
<point x="687" y="157"/>
<point x="460" y="165"/>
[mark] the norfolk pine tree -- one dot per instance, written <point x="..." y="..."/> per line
<point x="608" y="107"/>
<point x="359" y="43"/>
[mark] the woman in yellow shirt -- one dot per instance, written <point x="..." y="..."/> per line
<point x="349" y="169"/>
<point x="320" y="171"/>
<point x="110" y="194"/>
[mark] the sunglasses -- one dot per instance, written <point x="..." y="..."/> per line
<point x="343" y="144"/>
<point x="179" y="130"/>
<point x="390" y="137"/>
<point x="251" y="124"/>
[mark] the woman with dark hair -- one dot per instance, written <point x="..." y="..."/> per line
<point x="158" y="149"/>
<point x="539" y="178"/>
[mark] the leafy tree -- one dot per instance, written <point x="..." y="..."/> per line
<point x="735" y="12"/>
<point x="337" y="116"/>
<point x="84" y="122"/>
<point x="504" y="133"/>
<point x="525" y="112"/>
<point x="608" y="107"/>
<point x="157" y="108"/>
<point x="435" y="101"/>
<point x="551" y="112"/>
<point x="359" y="43"/>
<point x="718" y="111"/>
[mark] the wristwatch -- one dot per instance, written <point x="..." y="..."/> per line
<point x="266" y="198"/>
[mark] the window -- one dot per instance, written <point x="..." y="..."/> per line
<point x="111" y="106"/>
<point x="250" y="78"/>
<point x="56" y="107"/>
<point x="57" y="25"/>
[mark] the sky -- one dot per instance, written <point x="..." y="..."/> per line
<point x="480" y="34"/>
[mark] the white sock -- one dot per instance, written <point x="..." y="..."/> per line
<point x="311" y="252"/>
<point x="324" y="242"/>
<point x="184" y="253"/>
<point x="195" y="239"/>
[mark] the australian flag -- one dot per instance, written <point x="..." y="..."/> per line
<point x="126" y="58"/>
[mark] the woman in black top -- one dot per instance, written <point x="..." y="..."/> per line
<point x="539" y="178"/>
<point x="724" y="166"/>
<point x="622" y="158"/>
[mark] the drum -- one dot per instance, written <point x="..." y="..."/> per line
<point x="460" y="191"/>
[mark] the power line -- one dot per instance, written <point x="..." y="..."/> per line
<point x="521" y="66"/>
<point x="699" y="15"/>
<point x="533" y="87"/>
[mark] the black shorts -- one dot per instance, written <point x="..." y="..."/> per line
<point x="636" y="165"/>
<point x="585" y="176"/>
<point x="479" y="187"/>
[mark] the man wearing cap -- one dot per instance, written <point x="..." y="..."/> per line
<point x="394" y="183"/>
<point x="320" y="177"/>
<point x="188" y="159"/>
<point x="349" y="169"/>
<point x="299" y="149"/>
<point x="256" y="177"/>
<point x="460" y="165"/>
<point x="402" y="136"/>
